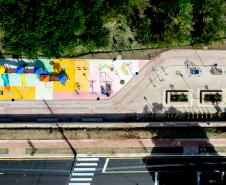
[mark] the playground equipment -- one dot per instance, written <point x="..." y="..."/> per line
<point x="6" y="81"/>
<point x="22" y="70"/>
<point x="192" y="68"/>
<point x="105" y="84"/>
<point x="2" y="69"/>
<point x="4" y="77"/>
<point x="216" y="70"/>
<point x="195" y="71"/>
<point x="22" y="76"/>
<point x="77" y="87"/>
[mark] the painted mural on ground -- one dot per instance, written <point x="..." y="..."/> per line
<point x="65" y="79"/>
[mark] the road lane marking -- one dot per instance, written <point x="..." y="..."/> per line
<point x="116" y="172"/>
<point x="198" y="178"/>
<point x="38" y="159"/>
<point x="86" y="164"/>
<point x="81" y="179"/>
<point x="71" y="183"/>
<point x="135" y="169"/>
<point x="156" y="178"/>
<point x="222" y="176"/>
<point x="84" y="169"/>
<point x="105" y="165"/>
<point x="82" y="174"/>
<point x="88" y="159"/>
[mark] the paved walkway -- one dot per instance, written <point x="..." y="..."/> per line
<point x="145" y="92"/>
<point x="17" y="148"/>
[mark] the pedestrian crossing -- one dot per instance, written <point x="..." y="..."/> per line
<point x="83" y="171"/>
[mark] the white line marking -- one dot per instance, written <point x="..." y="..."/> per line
<point x="84" y="169"/>
<point x="156" y="178"/>
<point x="80" y="179"/>
<point x="79" y="183"/>
<point x="86" y="164"/>
<point x="88" y="159"/>
<point x="82" y="174"/>
<point x="105" y="165"/>
<point x="198" y="178"/>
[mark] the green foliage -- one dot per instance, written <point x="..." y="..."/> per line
<point x="178" y="22"/>
<point x="51" y="27"/>
<point x="209" y="23"/>
<point x="165" y="23"/>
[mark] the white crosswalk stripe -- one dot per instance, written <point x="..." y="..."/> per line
<point x="83" y="171"/>
<point x="81" y="179"/>
<point x="86" y="164"/>
<point x="82" y="174"/>
<point x="72" y="183"/>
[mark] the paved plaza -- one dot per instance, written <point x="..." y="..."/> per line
<point x="145" y="89"/>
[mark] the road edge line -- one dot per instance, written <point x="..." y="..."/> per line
<point x="105" y="165"/>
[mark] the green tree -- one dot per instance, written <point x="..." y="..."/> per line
<point x="51" y="27"/>
<point x="209" y="21"/>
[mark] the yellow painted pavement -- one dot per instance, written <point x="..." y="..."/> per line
<point x="82" y="74"/>
<point x="17" y="93"/>
<point x="77" y="72"/>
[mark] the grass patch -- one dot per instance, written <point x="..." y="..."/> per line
<point x="4" y="151"/>
<point x="104" y="150"/>
<point x="48" y="151"/>
<point x="101" y="133"/>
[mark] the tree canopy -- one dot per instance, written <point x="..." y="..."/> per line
<point x="51" y="27"/>
<point x="55" y="27"/>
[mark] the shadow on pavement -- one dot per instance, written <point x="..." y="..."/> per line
<point x="189" y="162"/>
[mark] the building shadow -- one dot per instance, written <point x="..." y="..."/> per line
<point x="184" y="155"/>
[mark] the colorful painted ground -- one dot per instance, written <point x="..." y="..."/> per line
<point x="85" y="79"/>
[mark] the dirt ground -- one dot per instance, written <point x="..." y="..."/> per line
<point x="148" y="133"/>
<point x="131" y="54"/>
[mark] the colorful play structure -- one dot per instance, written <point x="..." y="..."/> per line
<point x="65" y="79"/>
<point x="43" y="74"/>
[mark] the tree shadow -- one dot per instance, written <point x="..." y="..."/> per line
<point x="146" y="109"/>
<point x="1" y="55"/>
<point x="157" y="107"/>
<point x="16" y="63"/>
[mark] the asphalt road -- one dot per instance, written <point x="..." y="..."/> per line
<point x="117" y="171"/>
<point x="35" y="172"/>
<point x="164" y="171"/>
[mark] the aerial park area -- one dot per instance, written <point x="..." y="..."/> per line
<point x="21" y="71"/>
<point x="65" y="79"/>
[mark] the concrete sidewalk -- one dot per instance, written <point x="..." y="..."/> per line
<point x="16" y="148"/>
<point x="113" y="124"/>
